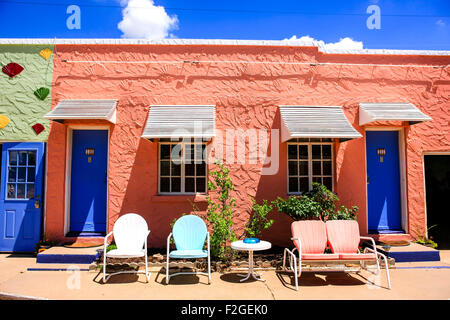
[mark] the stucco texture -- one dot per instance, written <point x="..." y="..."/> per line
<point x="17" y="100"/>
<point x="246" y="96"/>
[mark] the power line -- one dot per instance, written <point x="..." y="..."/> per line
<point x="230" y="10"/>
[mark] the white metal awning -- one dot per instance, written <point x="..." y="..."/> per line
<point x="370" y="112"/>
<point x="315" y="121"/>
<point x="101" y="109"/>
<point x="195" y="121"/>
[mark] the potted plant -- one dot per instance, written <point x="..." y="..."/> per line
<point x="424" y="240"/>
<point x="44" y="244"/>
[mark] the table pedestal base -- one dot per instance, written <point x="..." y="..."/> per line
<point x="251" y="272"/>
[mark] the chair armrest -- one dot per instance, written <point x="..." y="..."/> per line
<point x="207" y="241"/>
<point x="376" y="253"/>
<point x="299" y="246"/>
<point x="168" y="244"/>
<point x="371" y="240"/>
<point x="105" y="242"/>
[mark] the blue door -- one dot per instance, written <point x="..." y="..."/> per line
<point x="21" y="192"/>
<point x="383" y="181"/>
<point x="88" y="181"/>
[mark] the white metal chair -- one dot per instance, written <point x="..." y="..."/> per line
<point x="189" y="234"/>
<point x="130" y="235"/>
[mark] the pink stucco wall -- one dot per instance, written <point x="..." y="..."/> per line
<point x="246" y="96"/>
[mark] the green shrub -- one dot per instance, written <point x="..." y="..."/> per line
<point x="325" y="198"/>
<point x="344" y="213"/>
<point x="319" y="203"/>
<point x="298" y="207"/>
<point x="258" y="220"/>
<point x="111" y="247"/>
<point x="220" y="212"/>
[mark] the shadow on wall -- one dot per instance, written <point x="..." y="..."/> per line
<point x="272" y="186"/>
<point x="141" y="195"/>
<point x="350" y="173"/>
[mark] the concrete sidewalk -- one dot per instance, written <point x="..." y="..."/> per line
<point x="409" y="281"/>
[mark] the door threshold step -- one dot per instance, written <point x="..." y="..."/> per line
<point x="411" y="253"/>
<point x="64" y="255"/>
<point x="387" y="232"/>
<point x="77" y="234"/>
<point x="58" y="267"/>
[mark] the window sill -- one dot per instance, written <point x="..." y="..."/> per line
<point x="196" y="198"/>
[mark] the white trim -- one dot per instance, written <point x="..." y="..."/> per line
<point x="182" y="168"/>
<point x="402" y="172"/>
<point x="68" y="177"/>
<point x="403" y="180"/>
<point x="436" y="153"/>
<point x="310" y="160"/>
<point x="221" y="42"/>
<point x="432" y="153"/>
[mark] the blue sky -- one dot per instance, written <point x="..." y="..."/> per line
<point x="409" y="24"/>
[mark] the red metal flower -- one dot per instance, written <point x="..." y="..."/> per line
<point x="38" y="128"/>
<point x="12" y="69"/>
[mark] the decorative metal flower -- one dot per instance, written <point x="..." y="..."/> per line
<point x="12" y="69"/>
<point x="42" y="93"/>
<point x="38" y="128"/>
<point x="4" y="120"/>
<point x="46" y="53"/>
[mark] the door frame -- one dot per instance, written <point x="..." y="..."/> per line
<point x="68" y="174"/>
<point x="44" y="188"/>
<point x="402" y="171"/>
<point x="43" y="179"/>
<point x="428" y="153"/>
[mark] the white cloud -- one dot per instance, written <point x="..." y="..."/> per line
<point x="440" y="23"/>
<point x="343" y="44"/>
<point x="143" y="19"/>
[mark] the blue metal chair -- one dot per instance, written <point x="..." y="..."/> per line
<point x="189" y="234"/>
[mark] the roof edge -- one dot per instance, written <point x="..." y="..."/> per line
<point x="217" y="42"/>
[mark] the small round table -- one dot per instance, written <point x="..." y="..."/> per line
<point x="250" y="247"/>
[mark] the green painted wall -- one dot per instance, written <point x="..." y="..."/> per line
<point x="17" y="100"/>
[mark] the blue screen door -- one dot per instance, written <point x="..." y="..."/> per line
<point x="22" y="169"/>
<point x="88" y="181"/>
<point x="383" y="181"/>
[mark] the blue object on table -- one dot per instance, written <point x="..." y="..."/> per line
<point x="251" y="240"/>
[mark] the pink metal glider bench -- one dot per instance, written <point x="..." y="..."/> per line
<point x="310" y="238"/>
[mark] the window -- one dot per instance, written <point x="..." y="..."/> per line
<point x="309" y="160"/>
<point x="182" y="167"/>
<point x="21" y="174"/>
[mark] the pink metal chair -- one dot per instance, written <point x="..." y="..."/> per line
<point x="310" y="240"/>
<point x="343" y="239"/>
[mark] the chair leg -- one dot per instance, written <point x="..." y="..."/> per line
<point x="378" y="266"/>
<point x="209" y="269"/>
<point x="167" y="270"/>
<point x="147" y="274"/>
<point x="104" y="267"/>
<point x="387" y="271"/>
<point x="295" y="274"/>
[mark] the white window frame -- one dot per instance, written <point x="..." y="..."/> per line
<point x="183" y="173"/>
<point x="310" y="161"/>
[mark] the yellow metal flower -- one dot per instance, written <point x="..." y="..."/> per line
<point x="46" y="53"/>
<point x="4" y="120"/>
